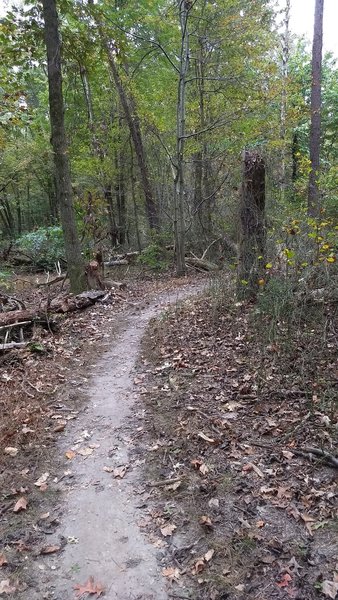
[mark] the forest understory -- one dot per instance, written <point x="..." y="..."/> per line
<point x="237" y="426"/>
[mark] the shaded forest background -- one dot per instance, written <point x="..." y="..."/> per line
<point x="160" y="101"/>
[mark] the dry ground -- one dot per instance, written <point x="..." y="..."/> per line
<point x="243" y="509"/>
<point x="227" y="412"/>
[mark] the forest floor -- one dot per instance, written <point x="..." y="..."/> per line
<point x="190" y="478"/>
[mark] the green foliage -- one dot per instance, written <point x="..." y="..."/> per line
<point x="155" y="256"/>
<point x="44" y="245"/>
<point x="5" y="277"/>
<point x="301" y="277"/>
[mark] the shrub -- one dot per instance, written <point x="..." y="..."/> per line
<point x="45" y="246"/>
<point x="155" y="256"/>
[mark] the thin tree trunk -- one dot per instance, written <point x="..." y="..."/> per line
<point x="179" y="223"/>
<point x="133" y="197"/>
<point x="129" y="109"/>
<point x="284" y="102"/>
<point x="60" y="149"/>
<point x="253" y="230"/>
<point x="314" y="202"/>
<point x="120" y="199"/>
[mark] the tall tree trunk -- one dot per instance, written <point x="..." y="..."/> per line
<point x="60" y="149"/>
<point x="184" y="7"/>
<point x="314" y="203"/>
<point x="284" y="102"/>
<point x="129" y="109"/>
<point x="133" y="197"/>
<point x="253" y="230"/>
<point x="120" y="198"/>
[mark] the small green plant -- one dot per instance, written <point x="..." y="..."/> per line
<point x="45" y="246"/>
<point x="155" y="256"/>
<point x="4" y="279"/>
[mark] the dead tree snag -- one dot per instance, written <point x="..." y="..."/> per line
<point x="253" y="228"/>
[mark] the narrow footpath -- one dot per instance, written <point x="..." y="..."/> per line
<point x="100" y="512"/>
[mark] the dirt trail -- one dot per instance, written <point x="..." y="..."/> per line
<point x="100" y="513"/>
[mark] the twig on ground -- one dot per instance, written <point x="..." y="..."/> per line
<point x="11" y="325"/>
<point x="309" y="452"/>
<point x="52" y="281"/>
<point x="13" y="299"/>
<point x="164" y="482"/>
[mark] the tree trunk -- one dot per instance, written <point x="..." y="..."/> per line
<point x="120" y="199"/>
<point x="59" y="144"/>
<point x="316" y="102"/>
<point x="284" y="102"/>
<point x="253" y="229"/>
<point x="179" y="223"/>
<point x="129" y="109"/>
<point x="133" y="197"/>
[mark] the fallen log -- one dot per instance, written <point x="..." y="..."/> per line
<point x="12" y="345"/>
<point x="200" y="263"/>
<point x="16" y="316"/>
<point x="116" y="263"/>
<point x="52" y="281"/>
<point x="71" y="303"/>
<point x="58" y="305"/>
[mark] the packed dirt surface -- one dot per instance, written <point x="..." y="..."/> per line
<point x="84" y="530"/>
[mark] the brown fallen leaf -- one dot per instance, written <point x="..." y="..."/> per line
<point x="168" y="529"/>
<point x="330" y="588"/>
<point x="260" y="524"/>
<point x="307" y="518"/>
<point x="70" y="454"/>
<point x="204" y="469"/>
<point x="288" y="454"/>
<point x="85" y="452"/>
<point x="174" y="486"/>
<point x="172" y="573"/>
<point x="285" y="581"/>
<point x="50" y="549"/>
<point x="198" y="567"/>
<point x="206" y="521"/>
<point x="208" y="555"/>
<point x="6" y="587"/>
<point x="60" y="427"/>
<point x="120" y="471"/>
<point x="11" y="451"/>
<point x="20" y="505"/>
<point x="90" y="587"/>
<point x="41" y="480"/>
<point x="3" y="560"/>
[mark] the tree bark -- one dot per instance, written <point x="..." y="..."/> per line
<point x="179" y="223"/>
<point x="253" y="229"/>
<point x="129" y="109"/>
<point x="314" y="203"/>
<point x="60" y="149"/>
<point x="284" y="100"/>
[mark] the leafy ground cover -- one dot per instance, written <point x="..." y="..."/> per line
<point x="43" y="389"/>
<point x="237" y="425"/>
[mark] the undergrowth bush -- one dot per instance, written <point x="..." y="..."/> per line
<point x="155" y="256"/>
<point x="44" y="246"/>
